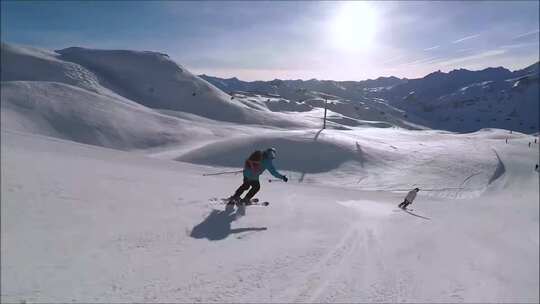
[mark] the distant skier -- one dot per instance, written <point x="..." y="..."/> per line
<point x="536" y="167"/>
<point x="529" y="144"/>
<point x="409" y="198"/>
<point x="506" y="140"/>
<point x="254" y="166"/>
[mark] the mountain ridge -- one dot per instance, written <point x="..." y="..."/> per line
<point x="496" y="96"/>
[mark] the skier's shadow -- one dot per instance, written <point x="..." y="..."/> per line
<point x="217" y="226"/>
<point x="417" y="215"/>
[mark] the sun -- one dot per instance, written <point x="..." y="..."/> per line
<point x="354" y="26"/>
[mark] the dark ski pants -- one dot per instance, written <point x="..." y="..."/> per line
<point x="255" y="186"/>
<point x="404" y="204"/>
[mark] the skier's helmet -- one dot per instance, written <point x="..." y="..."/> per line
<point x="416" y="189"/>
<point x="270" y="153"/>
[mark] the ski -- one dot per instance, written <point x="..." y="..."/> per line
<point x="257" y="203"/>
<point x="399" y="209"/>
<point x="253" y="202"/>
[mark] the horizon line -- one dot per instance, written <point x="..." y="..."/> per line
<point x="403" y="78"/>
<point x="282" y="79"/>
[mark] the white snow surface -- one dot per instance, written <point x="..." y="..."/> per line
<point x="105" y="197"/>
<point x="87" y="224"/>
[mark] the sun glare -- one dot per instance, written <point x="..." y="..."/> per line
<point x="354" y="26"/>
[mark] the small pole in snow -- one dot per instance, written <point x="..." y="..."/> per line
<point x="324" y="123"/>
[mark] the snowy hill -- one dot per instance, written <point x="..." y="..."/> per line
<point x="459" y="101"/>
<point x="145" y="78"/>
<point x="135" y="100"/>
<point x="154" y="80"/>
<point x="68" y="112"/>
<point x="118" y="99"/>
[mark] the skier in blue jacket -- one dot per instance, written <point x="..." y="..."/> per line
<point x="253" y="168"/>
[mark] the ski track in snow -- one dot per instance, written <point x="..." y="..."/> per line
<point x="328" y="267"/>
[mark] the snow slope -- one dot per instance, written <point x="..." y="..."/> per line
<point x="145" y="78"/>
<point x="154" y="80"/>
<point x="33" y="64"/>
<point x="86" y="224"/>
<point x="69" y="112"/>
<point x="72" y="113"/>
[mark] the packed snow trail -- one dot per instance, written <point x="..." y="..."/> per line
<point x="88" y="224"/>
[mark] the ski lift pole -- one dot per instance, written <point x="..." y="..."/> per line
<point x="324" y="122"/>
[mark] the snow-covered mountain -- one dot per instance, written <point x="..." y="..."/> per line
<point x="466" y="101"/>
<point x="113" y="164"/>
<point x="461" y="100"/>
<point x="346" y="99"/>
<point x="117" y="99"/>
<point x="278" y="86"/>
<point x="148" y="79"/>
<point x="96" y="96"/>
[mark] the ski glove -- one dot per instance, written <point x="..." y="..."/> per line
<point x="284" y="178"/>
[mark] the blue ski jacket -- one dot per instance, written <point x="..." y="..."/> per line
<point x="253" y="170"/>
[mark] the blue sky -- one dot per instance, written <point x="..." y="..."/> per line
<point x="291" y="40"/>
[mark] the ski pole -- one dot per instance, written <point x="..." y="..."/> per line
<point x="442" y="189"/>
<point x="421" y="189"/>
<point x="221" y="173"/>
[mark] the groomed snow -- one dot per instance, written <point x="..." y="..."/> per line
<point x="86" y="224"/>
<point x="373" y="158"/>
